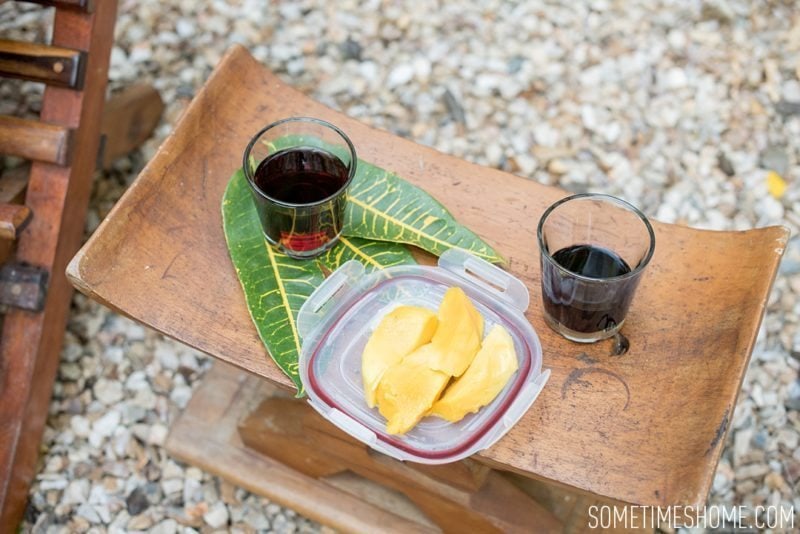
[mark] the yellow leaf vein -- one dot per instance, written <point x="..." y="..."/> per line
<point x="414" y="231"/>
<point x="284" y="297"/>
<point x="358" y="252"/>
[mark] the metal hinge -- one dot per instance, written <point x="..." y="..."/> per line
<point x="22" y="286"/>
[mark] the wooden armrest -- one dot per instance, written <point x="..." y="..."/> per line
<point x="12" y="218"/>
<point x="35" y="140"/>
<point x="53" y="65"/>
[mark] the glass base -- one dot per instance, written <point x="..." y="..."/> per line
<point x="304" y="254"/>
<point x="581" y="337"/>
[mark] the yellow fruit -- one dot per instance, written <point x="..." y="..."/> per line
<point x="408" y="390"/>
<point x="400" y="332"/>
<point x="477" y="318"/>
<point x="486" y="376"/>
<point x="459" y="334"/>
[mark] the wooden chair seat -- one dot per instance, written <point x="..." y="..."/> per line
<point x="644" y="427"/>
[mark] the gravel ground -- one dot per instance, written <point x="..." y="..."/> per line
<point x="690" y="109"/>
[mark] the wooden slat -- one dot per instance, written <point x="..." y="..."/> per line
<point x="35" y="140"/>
<point x="53" y="65"/>
<point x="81" y="5"/>
<point x="12" y="218"/>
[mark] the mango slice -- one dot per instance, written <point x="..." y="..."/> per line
<point x="409" y="389"/>
<point x="399" y="333"/>
<point x="477" y="318"/>
<point x="486" y="376"/>
<point x="459" y="334"/>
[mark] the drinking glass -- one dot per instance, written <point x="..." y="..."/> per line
<point x="594" y="249"/>
<point x="299" y="170"/>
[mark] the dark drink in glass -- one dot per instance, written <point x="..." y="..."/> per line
<point x="593" y="251"/>
<point x="302" y="176"/>
<point x="299" y="170"/>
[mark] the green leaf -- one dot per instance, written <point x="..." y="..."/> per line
<point x="383" y="212"/>
<point x="385" y="207"/>
<point x="373" y="254"/>
<point x="275" y="285"/>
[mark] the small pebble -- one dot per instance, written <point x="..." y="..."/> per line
<point x="108" y="391"/>
<point x="168" y="526"/>
<point x="77" y="492"/>
<point x="80" y="426"/>
<point x="751" y="471"/>
<point x="137" y="502"/>
<point x="217" y="515"/>
<point x="139" y="522"/>
<point x="157" y="434"/>
<point x="400" y="75"/>
<point x="107" y="424"/>
<point x="774" y="158"/>
<point x="351" y="49"/>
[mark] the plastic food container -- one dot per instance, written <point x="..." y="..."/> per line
<point x="339" y="317"/>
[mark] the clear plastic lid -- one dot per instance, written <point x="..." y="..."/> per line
<point x="339" y="317"/>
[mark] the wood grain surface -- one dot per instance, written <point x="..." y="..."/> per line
<point x="35" y="140"/>
<point x="645" y="427"/>
<point x="54" y="65"/>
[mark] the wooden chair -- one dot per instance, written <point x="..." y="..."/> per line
<point x="42" y="210"/>
<point x="646" y="426"/>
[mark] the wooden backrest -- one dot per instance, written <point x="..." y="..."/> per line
<point x="62" y="147"/>
<point x="55" y="66"/>
<point x="45" y="142"/>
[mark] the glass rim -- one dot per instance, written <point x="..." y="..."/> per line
<point x="606" y="198"/>
<point x="251" y="179"/>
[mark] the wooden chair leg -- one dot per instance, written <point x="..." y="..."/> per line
<point x="206" y="435"/>
<point x="289" y="431"/>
